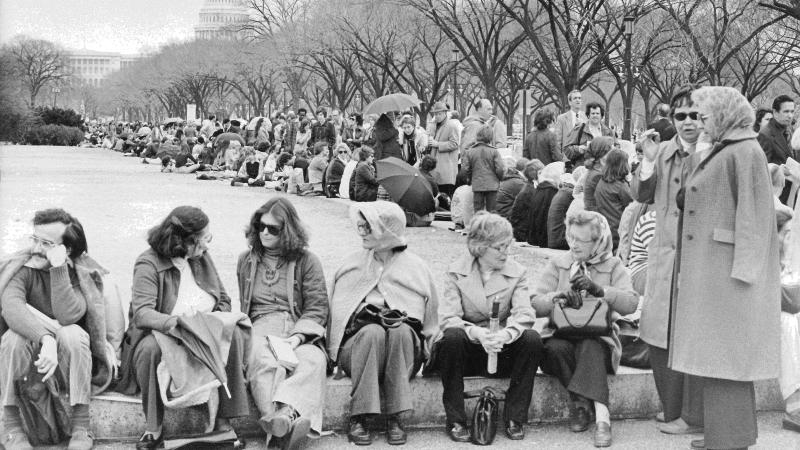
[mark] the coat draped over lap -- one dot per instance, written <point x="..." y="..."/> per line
<point x="660" y="189"/>
<point x="725" y="318"/>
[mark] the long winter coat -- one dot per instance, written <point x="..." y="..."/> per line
<point x="660" y="189"/>
<point x="539" y="208"/>
<point x="446" y="134"/>
<point x="385" y="139"/>
<point x="725" y="320"/>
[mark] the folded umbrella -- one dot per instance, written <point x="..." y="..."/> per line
<point x="406" y="185"/>
<point x="392" y="102"/>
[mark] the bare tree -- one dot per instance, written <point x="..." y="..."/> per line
<point x="37" y="62"/>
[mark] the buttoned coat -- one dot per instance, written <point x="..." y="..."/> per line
<point x="660" y="189"/>
<point x="484" y="166"/>
<point x="467" y="301"/>
<point x="446" y="154"/>
<point x="610" y="274"/>
<point x="725" y="319"/>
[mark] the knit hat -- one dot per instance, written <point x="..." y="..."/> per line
<point x="438" y="107"/>
<point x="386" y="219"/>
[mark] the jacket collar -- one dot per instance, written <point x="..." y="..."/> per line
<point x="672" y="147"/>
<point x="465" y="264"/>
<point x="564" y="261"/>
<point x="162" y="263"/>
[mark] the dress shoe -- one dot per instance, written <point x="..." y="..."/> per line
<point x="148" y="442"/>
<point x="15" y="439"/>
<point x="358" y="433"/>
<point x="458" y="432"/>
<point x="395" y="435"/>
<point x="579" y="422"/>
<point x="515" y="431"/>
<point x="678" y="426"/>
<point x="82" y="439"/>
<point x="279" y="422"/>
<point x="602" y="434"/>
<point x="791" y="421"/>
<point x="298" y="434"/>
<point x="698" y="444"/>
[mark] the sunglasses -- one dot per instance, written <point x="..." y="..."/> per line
<point x="363" y="228"/>
<point x="271" y="229"/>
<point x="681" y="116"/>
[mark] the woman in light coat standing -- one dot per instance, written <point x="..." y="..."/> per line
<point x="444" y="147"/>
<point x="725" y="318"/>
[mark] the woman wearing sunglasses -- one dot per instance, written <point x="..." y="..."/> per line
<point x="381" y="354"/>
<point x="282" y="289"/>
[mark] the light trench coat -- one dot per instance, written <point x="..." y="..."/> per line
<point x="447" y="153"/>
<point x="725" y="317"/>
<point x="660" y="189"/>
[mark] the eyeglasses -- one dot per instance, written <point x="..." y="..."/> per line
<point x="681" y="116"/>
<point x="271" y="229"/>
<point x="501" y="248"/>
<point x="36" y="240"/>
<point x="343" y="151"/>
<point x="363" y="228"/>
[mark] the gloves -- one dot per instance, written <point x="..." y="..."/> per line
<point x="570" y="299"/>
<point x="580" y="282"/>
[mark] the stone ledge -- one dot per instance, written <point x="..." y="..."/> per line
<point x="633" y="396"/>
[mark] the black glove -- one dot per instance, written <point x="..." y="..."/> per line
<point x="571" y="299"/>
<point x="580" y="282"/>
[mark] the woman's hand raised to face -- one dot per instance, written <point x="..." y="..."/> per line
<point x="649" y="141"/>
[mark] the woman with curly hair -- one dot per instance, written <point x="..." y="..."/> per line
<point x="282" y="289"/>
<point x="541" y="143"/>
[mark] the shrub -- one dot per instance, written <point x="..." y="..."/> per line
<point x="58" y="116"/>
<point x="53" y="135"/>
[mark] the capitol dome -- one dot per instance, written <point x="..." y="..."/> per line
<point x="221" y="19"/>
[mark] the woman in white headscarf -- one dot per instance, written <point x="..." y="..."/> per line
<point x="581" y="364"/>
<point x="381" y="355"/>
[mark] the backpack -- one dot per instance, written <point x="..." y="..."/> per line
<point x="44" y="415"/>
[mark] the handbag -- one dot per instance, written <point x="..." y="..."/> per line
<point x="44" y="415"/>
<point x="385" y="317"/>
<point x="591" y="320"/>
<point x="484" y="416"/>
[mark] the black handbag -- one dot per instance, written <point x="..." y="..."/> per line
<point x="44" y="415"/>
<point x="591" y="320"/>
<point x="484" y="416"/>
<point x="385" y="317"/>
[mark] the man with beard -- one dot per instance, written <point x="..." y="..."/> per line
<point x="49" y="300"/>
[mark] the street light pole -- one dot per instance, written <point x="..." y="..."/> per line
<point x="56" y="90"/>
<point x="455" y="86"/>
<point x="627" y="30"/>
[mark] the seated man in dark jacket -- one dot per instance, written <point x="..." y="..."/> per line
<point x="556" y="229"/>
<point x="511" y="185"/>
<point x="48" y="304"/>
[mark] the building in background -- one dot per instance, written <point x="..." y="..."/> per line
<point x="91" y="68"/>
<point x="221" y="19"/>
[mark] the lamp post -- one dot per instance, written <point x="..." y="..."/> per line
<point x="56" y="91"/>
<point x="456" y="57"/>
<point x="627" y="30"/>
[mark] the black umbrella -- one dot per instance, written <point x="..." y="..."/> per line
<point x="406" y="185"/>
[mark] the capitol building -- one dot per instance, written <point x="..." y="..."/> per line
<point x="221" y="19"/>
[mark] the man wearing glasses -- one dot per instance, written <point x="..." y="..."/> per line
<point x="657" y="181"/>
<point x="54" y="328"/>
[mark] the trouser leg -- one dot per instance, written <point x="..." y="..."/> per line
<point x="559" y="361"/>
<point x="455" y="354"/>
<point x="669" y="383"/>
<point x="16" y="355"/>
<point x="263" y="370"/>
<point x="523" y="356"/>
<point x="363" y="358"/>
<point x="729" y="413"/>
<point x="237" y="404"/>
<point x="402" y="346"/>
<point x="491" y="200"/>
<point x="304" y="390"/>
<point x="145" y="360"/>
<point x="478" y="201"/>
<point x="75" y="362"/>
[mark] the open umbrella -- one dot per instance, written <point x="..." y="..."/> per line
<point x="392" y="102"/>
<point x="254" y="121"/>
<point x="144" y="131"/>
<point x="406" y="185"/>
<point x="172" y="120"/>
<point x="230" y="137"/>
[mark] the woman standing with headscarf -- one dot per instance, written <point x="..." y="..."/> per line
<point x="725" y="318"/>
<point x="384" y="276"/>
<point x="582" y="364"/>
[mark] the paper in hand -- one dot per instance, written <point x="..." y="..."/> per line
<point x="283" y="352"/>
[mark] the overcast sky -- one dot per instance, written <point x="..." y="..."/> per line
<point x="103" y="25"/>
